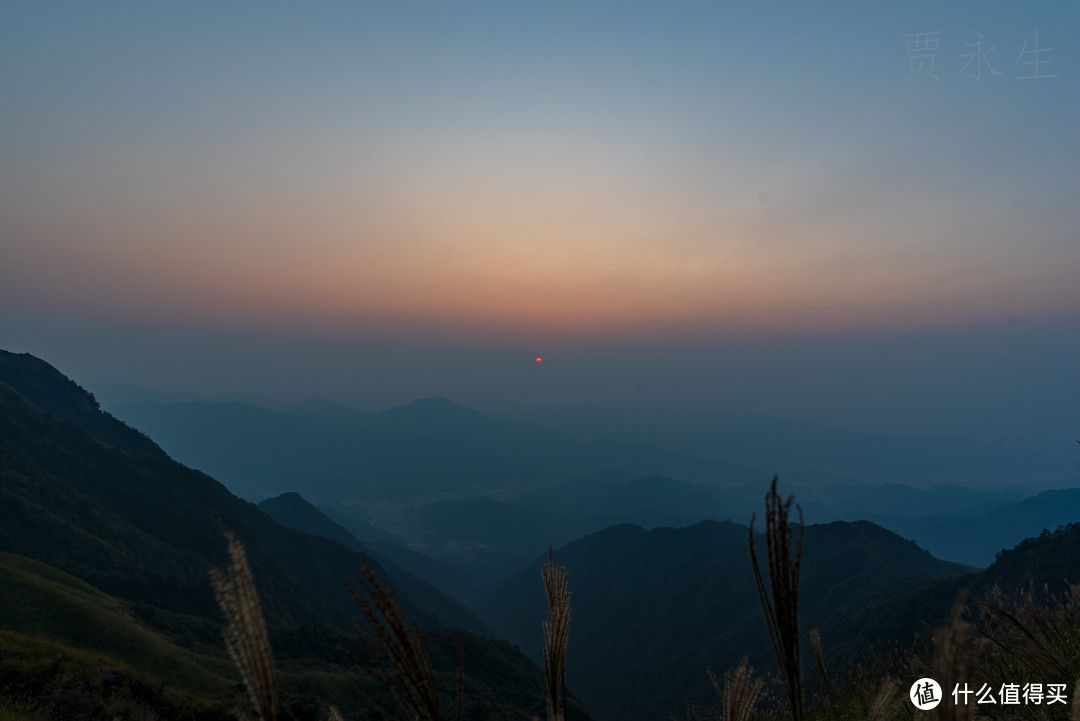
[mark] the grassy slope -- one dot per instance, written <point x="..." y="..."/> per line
<point x="41" y="601"/>
<point x="66" y="645"/>
<point x="63" y="640"/>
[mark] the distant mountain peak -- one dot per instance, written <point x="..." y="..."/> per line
<point x="435" y="408"/>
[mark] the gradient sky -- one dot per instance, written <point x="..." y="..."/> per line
<point x="772" y="207"/>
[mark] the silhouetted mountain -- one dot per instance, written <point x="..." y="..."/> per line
<point x="472" y="541"/>
<point x="292" y="511"/>
<point x="653" y="610"/>
<point x="49" y="390"/>
<point x="144" y="527"/>
<point x="1048" y="561"/>
<point x="452" y="481"/>
<point x="91" y="497"/>
<point x="436" y="417"/>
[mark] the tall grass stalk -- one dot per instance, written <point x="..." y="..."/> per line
<point x="819" y="656"/>
<point x="781" y="609"/>
<point x="245" y="630"/>
<point x="556" y="630"/>
<point x="396" y="655"/>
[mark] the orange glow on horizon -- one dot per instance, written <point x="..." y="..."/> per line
<point x="593" y="251"/>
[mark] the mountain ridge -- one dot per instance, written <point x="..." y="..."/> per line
<point x="654" y="609"/>
<point x="146" y="530"/>
<point x="144" y="526"/>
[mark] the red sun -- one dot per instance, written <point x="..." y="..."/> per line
<point x="539" y="360"/>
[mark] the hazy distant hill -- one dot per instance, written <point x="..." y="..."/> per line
<point x="620" y="497"/>
<point x="430" y="446"/>
<point x="143" y="527"/>
<point x="653" y="610"/>
<point x="433" y="447"/>
<point x="460" y="486"/>
<point x="90" y="497"/>
<point x="977" y="537"/>
<point x="523" y="524"/>
<point x="113" y="394"/>
<point x="803" y="451"/>
<point x="856" y="501"/>
<point x="93" y="498"/>
<point x="978" y="523"/>
<point x="954" y="522"/>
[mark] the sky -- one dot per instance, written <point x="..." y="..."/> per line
<point x="858" y="213"/>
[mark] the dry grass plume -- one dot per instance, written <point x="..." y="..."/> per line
<point x="245" y="630"/>
<point x="556" y="630"/>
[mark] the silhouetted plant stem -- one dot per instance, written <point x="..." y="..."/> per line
<point x="397" y="656"/>
<point x="781" y="610"/>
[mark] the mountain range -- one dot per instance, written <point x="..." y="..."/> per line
<point x="101" y="529"/>
<point x="653" y="610"/>
<point x="449" y="481"/>
<point x="83" y="496"/>
<point x="425" y="448"/>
